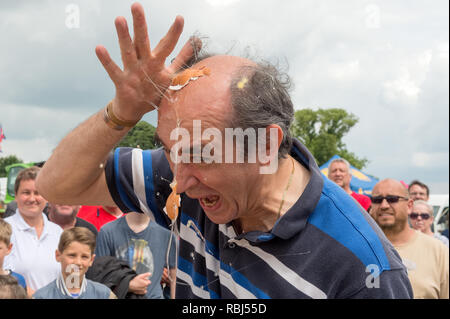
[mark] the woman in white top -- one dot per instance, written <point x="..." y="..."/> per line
<point x="34" y="237"/>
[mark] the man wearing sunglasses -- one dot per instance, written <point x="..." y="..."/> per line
<point x="422" y="218"/>
<point x="427" y="259"/>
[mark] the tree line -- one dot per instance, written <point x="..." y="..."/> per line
<point x="321" y="131"/>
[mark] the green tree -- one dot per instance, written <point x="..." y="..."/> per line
<point x="8" y="160"/>
<point x="141" y="136"/>
<point x="322" y="131"/>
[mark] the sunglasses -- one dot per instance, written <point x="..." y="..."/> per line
<point x="390" y="199"/>
<point x="424" y="216"/>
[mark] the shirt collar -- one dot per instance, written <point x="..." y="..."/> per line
<point x="60" y="283"/>
<point x="23" y="225"/>
<point x="295" y="219"/>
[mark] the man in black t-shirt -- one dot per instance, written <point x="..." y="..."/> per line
<point x="66" y="217"/>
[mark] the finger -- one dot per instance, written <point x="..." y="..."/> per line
<point x="168" y="43"/>
<point x="189" y="50"/>
<point x="141" y="40"/>
<point x="111" y="68"/>
<point x="145" y="275"/>
<point x="127" y="50"/>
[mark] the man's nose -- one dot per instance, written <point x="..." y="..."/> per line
<point x="185" y="177"/>
<point x="384" y="204"/>
<point x="33" y="197"/>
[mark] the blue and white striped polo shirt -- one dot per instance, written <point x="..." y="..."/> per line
<point x="325" y="246"/>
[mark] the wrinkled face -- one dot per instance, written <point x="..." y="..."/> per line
<point x="390" y="215"/>
<point x="338" y="172"/>
<point x="419" y="222"/>
<point x="75" y="261"/>
<point x="64" y="210"/>
<point x="29" y="202"/>
<point x="417" y="192"/>
<point x="222" y="189"/>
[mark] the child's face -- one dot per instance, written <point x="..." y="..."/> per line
<point x="4" y="251"/>
<point x="75" y="261"/>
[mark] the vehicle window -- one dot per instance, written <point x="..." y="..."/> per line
<point x="435" y="210"/>
<point x="444" y="216"/>
<point x="13" y="172"/>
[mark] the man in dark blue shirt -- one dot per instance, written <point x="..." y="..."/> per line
<point x="257" y="219"/>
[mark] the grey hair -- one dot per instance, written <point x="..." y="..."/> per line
<point x="424" y="203"/>
<point x="341" y="160"/>
<point x="262" y="100"/>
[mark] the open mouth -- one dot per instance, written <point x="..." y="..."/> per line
<point x="210" y="201"/>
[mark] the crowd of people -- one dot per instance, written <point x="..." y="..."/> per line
<point x="37" y="245"/>
<point x="406" y="219"/>
<point x="235" y="232"/>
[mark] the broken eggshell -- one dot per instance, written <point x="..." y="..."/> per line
<point x="183" y="78"/>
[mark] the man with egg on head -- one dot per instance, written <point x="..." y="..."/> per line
<point x="255" y="217"/>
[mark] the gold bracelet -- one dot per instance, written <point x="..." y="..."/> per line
<point x="113" y="122"/>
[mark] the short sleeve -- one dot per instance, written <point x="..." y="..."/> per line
<point x="139" y="181"/>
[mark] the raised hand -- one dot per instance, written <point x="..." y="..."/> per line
<point x="144" y="78"/>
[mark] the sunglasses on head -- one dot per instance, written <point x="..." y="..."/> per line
<point x="390" y="199"/>
<point x="424" y="216"/>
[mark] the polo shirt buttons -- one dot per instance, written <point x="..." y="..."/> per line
<point x="231" y="244"/>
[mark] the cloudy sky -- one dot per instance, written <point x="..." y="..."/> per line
<point x="385" y="61"/>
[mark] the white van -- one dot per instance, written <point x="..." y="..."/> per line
<point x="440" y="211"/>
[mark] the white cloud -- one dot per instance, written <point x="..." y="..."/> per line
<point x="402" y="89"/>
<point x="442" y="54"/>
<point x="413" y="71"/>
<point x="384" y="61"/>
<point x="424" y="59"/>
<point x="345" y="71"/>
<point x="430" y="160"/>
<point x="221" y="3"/>
<point x="28" y="149"/>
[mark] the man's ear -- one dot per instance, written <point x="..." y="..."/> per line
<point x="410" y="206"/>
<point x="270" y="136"/>
<point x="92" y="260"/>
<point x="268" y="153"/>
<point x="58" y="255"/>
<point x="9" y="249"/>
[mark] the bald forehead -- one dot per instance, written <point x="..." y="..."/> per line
<point x="208" y="93"/>
<point x="221" y="70"/>
<point x="390" y="185"/>
<point x="339" y="164"/>
<point x="224" y="63"/>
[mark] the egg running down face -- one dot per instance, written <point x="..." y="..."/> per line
<point x="173" y="202"/>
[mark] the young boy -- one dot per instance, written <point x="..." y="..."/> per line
<point x="75" y="253"/>
<point x="11" y="289"/>
<point x="5" y="249"/>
